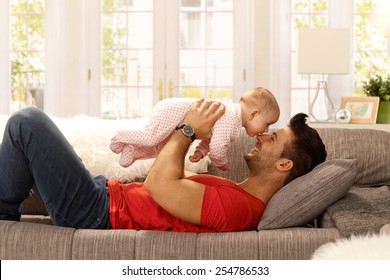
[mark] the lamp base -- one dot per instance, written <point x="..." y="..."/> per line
<point x="322" y="108"/>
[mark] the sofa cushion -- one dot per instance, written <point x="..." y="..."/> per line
<point x="306" y="197"/>
<point x="362" y="210"/>
<point x="370" y="147"/>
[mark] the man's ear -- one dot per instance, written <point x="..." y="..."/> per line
<point x="284" y="164"/>
<point x="253" y="113"/>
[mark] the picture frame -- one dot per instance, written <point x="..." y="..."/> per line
<point x="364" y="110"/>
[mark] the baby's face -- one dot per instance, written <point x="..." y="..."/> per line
<point x="261" y="123"/>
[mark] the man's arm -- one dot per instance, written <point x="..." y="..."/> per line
<point x="166" y="183"/>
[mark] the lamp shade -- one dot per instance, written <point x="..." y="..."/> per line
<point x="324" y="51"/>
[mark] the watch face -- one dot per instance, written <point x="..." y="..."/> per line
<point x="188" y="131"/>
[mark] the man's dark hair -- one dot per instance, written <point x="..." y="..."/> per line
<point x="306" y="149"/>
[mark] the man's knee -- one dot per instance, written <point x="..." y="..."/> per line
<point x="26" y="115"/>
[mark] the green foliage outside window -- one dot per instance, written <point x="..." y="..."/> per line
<point x="27" y="41"/>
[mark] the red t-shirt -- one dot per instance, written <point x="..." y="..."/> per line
<point x="226" y="207"/>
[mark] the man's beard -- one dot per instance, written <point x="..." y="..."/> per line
<point x="260" y="164"/>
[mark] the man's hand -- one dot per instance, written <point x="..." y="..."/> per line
<point x="166" y="181"/>
<point x="202" y="117"/>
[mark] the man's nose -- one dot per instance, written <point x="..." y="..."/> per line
<point x="263" y="137"/>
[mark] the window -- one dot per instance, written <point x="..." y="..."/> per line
<point x="371" y="40"/>
<point x="370" y="25"/>
<point x="127" y="54"/>
<point x="27" y="52"/>
<point x="206" y="53"/>
<point x="152" y="50"/>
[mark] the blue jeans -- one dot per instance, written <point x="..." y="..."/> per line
<point x="35" y="154"/>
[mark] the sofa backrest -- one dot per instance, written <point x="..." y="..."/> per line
<point x="370" y="147"/>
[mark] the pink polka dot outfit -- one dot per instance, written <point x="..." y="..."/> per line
<point x="134" y="144"/>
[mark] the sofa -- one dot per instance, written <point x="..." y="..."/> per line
<point x="347" y="195"/>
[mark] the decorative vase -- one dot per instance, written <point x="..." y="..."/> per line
<point x="383" y="112"/>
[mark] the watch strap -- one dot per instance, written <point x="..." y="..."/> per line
<point x="181" y="127"/>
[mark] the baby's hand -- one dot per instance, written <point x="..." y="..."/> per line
<point x="197" y="156"/>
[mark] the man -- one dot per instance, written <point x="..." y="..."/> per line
<point x="34" y="152"/>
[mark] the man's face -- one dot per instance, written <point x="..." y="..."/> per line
<point x="267" y="151"/>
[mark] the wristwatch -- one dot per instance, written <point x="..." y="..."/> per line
<point x="187" y="131"/>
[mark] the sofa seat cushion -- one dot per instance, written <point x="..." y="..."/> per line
<point x="362" y="210"/>
<point x="35" y="241"/>
<point x="306" y="197"/>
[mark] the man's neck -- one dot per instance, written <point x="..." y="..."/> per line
<point x="262" y="188"/>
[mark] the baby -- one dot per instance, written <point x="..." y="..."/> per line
<point x="256" y="111"/>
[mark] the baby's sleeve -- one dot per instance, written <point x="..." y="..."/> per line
<point x="219" y="144"/>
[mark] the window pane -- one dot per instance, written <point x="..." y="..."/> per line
<point x="219" y="68"/>
<point x="192" y="26"/>
<point x="362" y="6"/>
<point x="192" y="91"/>
<point x="114" y="67"/>
<point x="36" y="64"/>
<point x="27" y="50"/>
<point x="36" y="32"/>
<point x="140" y="27"/>
<point x="299" y="6"/>
<point x="379" y="63"/>
<point x="127" y="57"/>
<point x="206" y="53"/>
<point x="19" y="72"/>
<point x="300" y="21"/>
<point x="114" y="30"/>
<point x="140" y="5"/>
<point x="111" y="102"/>
<point x="191" y="3"/>
<point x="140" y="72"/>
<point x="115" y="5"/>
<point x="192" y="67"/>
<point x="371" y="55"/>
<point x="319" y="21"/>
<point x="220" y="5"/>
<point x="36" y="6"/>
<point x="379" y="33"/>
<point x="192" y="58"/>
<point x="215" y="23"/>
<point x="319" y="6"/>
<point x="18" y="7"/>
<point x="362" y="33"/>
<point x="18" y="32"/>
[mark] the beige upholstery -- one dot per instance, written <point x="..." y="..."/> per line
<point x="27" y="240"/>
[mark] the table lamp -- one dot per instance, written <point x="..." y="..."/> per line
<point x="323" y="51"/>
